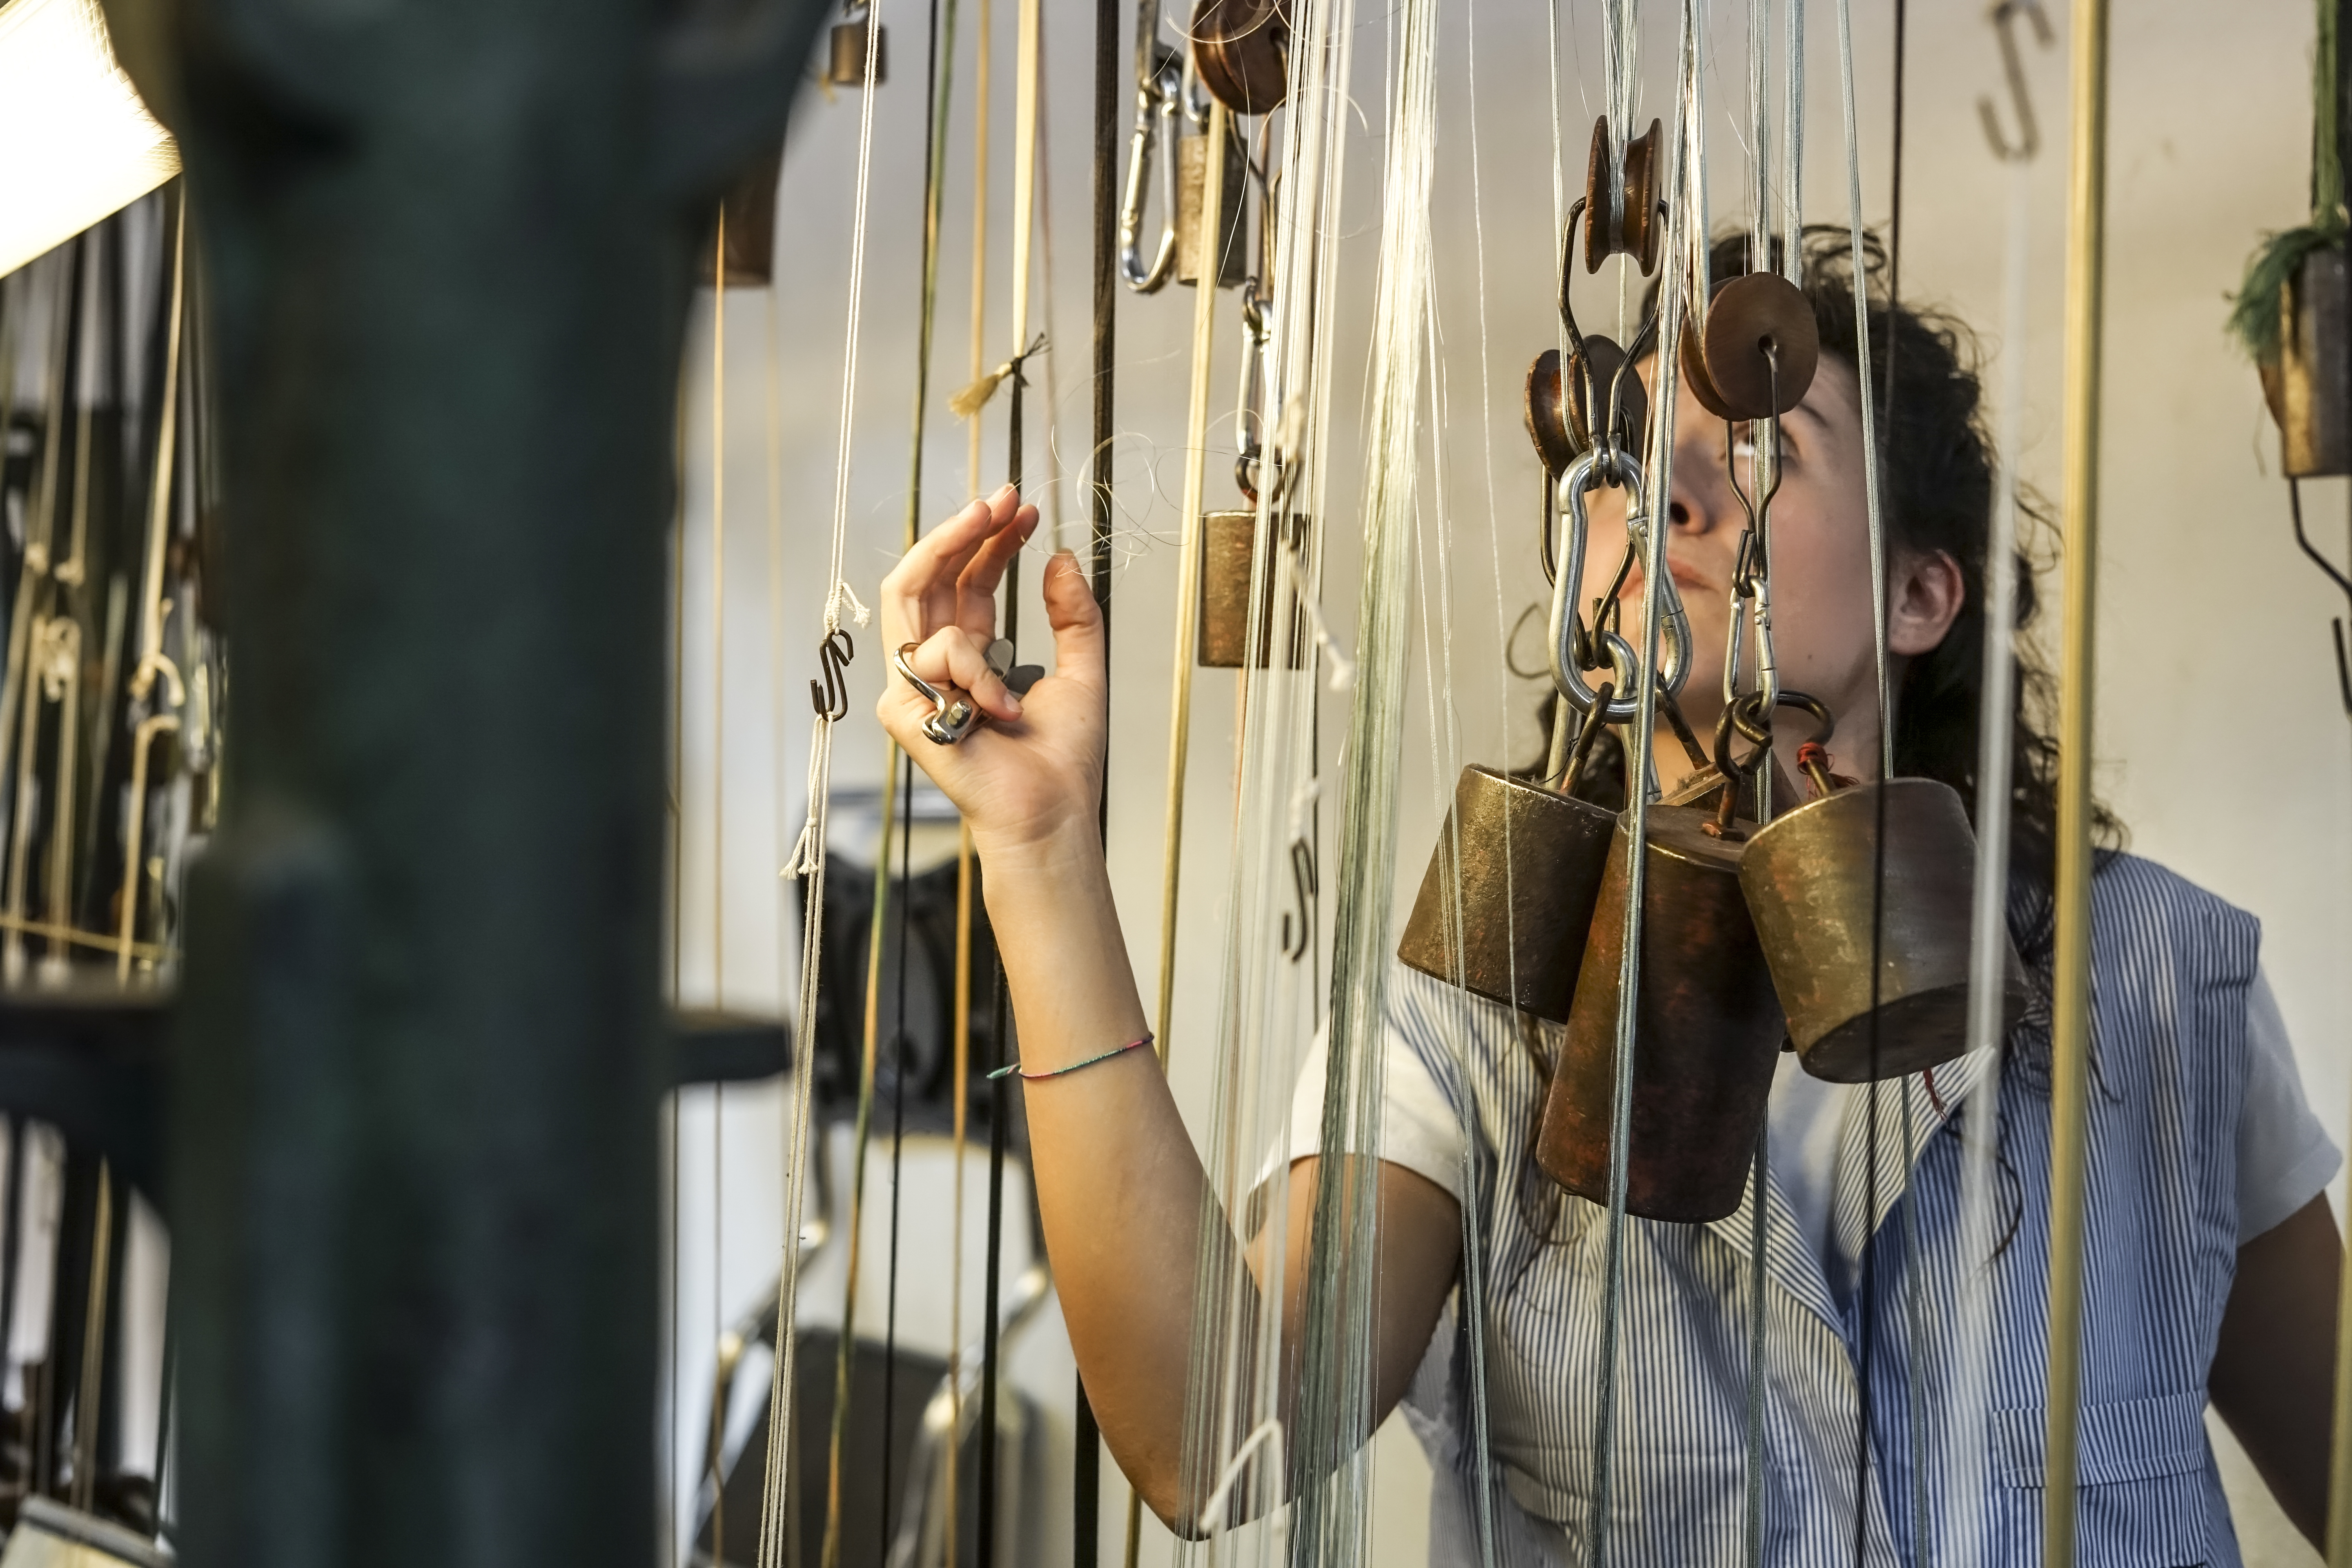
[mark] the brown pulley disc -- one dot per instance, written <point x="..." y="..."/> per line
<point x="1707" y="1030"/>
<point x="1695" y="377"/>
<point x="1242" y="50"/>
<point x="1636" y="232"/>
<point x="1530" y="867"/>
<point x="1812" y="880"/>
<point x="1546" y="417"/>
<point x="1753" y="318"/>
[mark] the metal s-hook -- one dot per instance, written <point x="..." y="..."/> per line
<point x="1157" y="98"/>
<point x="831" y="697"/>
<point x="1298" y="937"/>
<point x="2012" y="64"/>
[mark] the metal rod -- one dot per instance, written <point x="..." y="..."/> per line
<point x="2070" y="1026"/>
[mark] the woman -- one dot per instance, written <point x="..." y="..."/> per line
<point x="2211" y="1257"/>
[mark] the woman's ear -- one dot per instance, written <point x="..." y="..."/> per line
<point x="1924" y="594"/>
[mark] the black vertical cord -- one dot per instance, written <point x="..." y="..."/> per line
<point x="898" y="1146"/>
<point x="998" y="1044"/>
<point x="1085" y="1521"/>
<point x="1864" y="1437"/>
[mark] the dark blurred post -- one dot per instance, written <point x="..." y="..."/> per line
<point x="443" y="249"/>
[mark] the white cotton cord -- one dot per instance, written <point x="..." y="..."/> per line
<point x="1639" y="775"/>
<point x="1760" y="131"/>
<point x="808" y="862"/>
<point x="1792" y="148"/>
<point x="1969" y="1413"/>
<point x="1335" y="1395"/>
<point x="1870" y="469"/>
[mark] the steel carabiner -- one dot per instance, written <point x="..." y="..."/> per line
<point x="1157" y="102"/>
<point x="1571" y="648"/>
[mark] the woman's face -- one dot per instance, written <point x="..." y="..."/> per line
<point x="1820" y="567"/>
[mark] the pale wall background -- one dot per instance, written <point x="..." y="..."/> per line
<point x="2221" y="738"/>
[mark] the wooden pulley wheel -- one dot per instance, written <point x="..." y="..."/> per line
<point x="1762" y="346"/>
<point x="1693" y="354"/>
<point x="1592" y="380"/>
<point x="1637" y="232"/>
<point x="1547" y="417"/>
<point x="1242" y="50"/>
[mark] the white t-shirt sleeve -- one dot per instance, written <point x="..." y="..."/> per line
<point x="2284" y="1156"/>
<point x="1420" y="1129"/>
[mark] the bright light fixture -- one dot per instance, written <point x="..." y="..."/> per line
<point x="76" y="144"/>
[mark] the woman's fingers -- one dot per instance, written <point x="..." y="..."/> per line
<point x="975" y="609"/>
<point x="920" y="594"/>
<point x="951" y="657"/>
<point x="1077" y="620"/>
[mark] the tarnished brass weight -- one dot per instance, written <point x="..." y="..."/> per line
<point x="1707" y="1029"/>
<point x="2309" y="384"/>
<point x="1191" y="166"/>
<point x="1531" y="864"/>
<point x="1812" y="883"/>
<point x="1227" y="539"/>
<point x="751" y="207"/>
<point x="845" y="63"/>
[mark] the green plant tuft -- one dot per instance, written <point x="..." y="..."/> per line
<point x="2254" y="309"/>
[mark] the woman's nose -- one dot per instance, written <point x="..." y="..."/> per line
<point x="1698" y="501"/>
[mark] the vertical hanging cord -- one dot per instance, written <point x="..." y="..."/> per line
<point x="1639" y="772"/>
<point x="2071" y="1021"/>
<point x="718" y="854"/>
<point x="1086" y="1526"/>
<point x="677" y="890"/>
<point x="1988" y="952"/>
<point x="1188" y="573"/>
<point x="984" y="40"/>
<point x="809" y="862"/>
<point x="887" y="1515"/>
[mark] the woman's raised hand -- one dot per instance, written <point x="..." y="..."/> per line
<point x="1035" y="767"/>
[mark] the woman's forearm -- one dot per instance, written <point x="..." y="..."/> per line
<point x="1119" y="1182"/>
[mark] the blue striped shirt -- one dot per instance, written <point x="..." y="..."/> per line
<point x="2172" y="967"/>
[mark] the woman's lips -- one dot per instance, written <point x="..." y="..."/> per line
<point x="1684" y="575"/>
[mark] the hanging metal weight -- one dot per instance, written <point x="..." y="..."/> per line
<point x="751" y="210"/>
<point x="1532" y="859"/>
<point x="1706" y="1030"/>
<point x="1813" y="884"/>
<point x="845" y="64"/>
<point x="1232" y="230"/>
<point x="1228" y="543"/>
<point x="2309" y="385"/>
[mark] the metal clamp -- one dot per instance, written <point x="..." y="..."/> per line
<point x="952" y="718"/>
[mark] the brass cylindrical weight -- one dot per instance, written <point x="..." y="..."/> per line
<point x="1531" y="864"/>
<point x="1192" y="171"/>
<point x="845" y="64"/>
<point x="1227" y="542"/>
<point x="1706" y="1031"/>
<point x="1812" y="882"/>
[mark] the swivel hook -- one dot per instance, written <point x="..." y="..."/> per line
<point x="2029" y="131"/>
<point x="831" y="697"/>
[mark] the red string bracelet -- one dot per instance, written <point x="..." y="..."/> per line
<point x="1059" y="1072"/>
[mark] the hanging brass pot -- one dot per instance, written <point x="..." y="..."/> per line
<point x="1812" y="880"/>
<point x="1228" y="540"/>
<point x="1531" y="864"/>
<point x="1192" y="167"/>
<point x="1706" y="1031"/>
<point x="2309" y="385"/>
